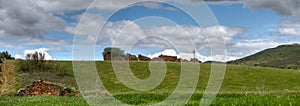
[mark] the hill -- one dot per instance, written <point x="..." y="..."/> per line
<point x="284" y="56"/>
<point x="242" y="85"/>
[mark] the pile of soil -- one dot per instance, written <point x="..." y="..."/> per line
<point x="40" y="87"/>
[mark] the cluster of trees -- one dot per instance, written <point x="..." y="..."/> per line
<point x="5" y="56"/>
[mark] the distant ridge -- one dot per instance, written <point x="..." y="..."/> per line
<point x="283" y="56"/>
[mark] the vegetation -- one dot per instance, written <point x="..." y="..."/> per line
<point x="280" y="57"/>
<point x="292" y="66"/>
<point x="56" y="72"/>
<point x="242" y="85"/>
<point x="36" y="62"/>
<point x="5" y="56"/>
<point x="114" y="51"/>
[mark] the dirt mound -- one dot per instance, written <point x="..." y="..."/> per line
<point x="44" y="88"/>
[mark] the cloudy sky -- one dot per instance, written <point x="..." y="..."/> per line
<point x="217" y="30"/>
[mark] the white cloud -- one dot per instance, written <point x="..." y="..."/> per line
<point x="89" y="25"/>
<point x="112" y="5"/>
<point x="282" y="7"/>
<point x="106" y="5"/>
<point x="289" y="28"/>
<point x="18" y="56"/>
<point x="127" y="33"/>
<point x="169" y="52"/>
<point x="62" y="5"/>
<point x="23" y="18"/>
<point x="257" y="44"/>
<point x="188" y="56"/>
<point x="40" y="50"/>
<point x="249" y="47"/>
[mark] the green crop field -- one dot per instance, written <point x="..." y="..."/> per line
<point x="242" y="85"/>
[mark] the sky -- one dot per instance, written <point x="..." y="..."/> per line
<point x="218" y="30"/>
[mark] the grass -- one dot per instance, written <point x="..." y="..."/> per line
<point x="42" y="101"/>
<point x="146" y="99"/>
<point x="242" y="85"/>
<point x="283" y="56"/>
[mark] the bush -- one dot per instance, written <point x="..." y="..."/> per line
<point x="34" y="62"/>
<point x="1" y="61"/>
<point x="292" y="66"/>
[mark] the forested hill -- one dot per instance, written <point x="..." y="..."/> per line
<point x="284" y="56"/>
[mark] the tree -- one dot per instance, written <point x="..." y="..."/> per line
<point x="6" y="56"/>
<point x="113" y="51"/>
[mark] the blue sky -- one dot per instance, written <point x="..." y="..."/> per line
<point x="148" y="28"/>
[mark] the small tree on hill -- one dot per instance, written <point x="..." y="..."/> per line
<point x="6" y="56"/>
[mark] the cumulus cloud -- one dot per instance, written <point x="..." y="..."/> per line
<point x="184" y="38"/>
<point x="248" y="47"/>
<point x="40" y="50"/>
<point x="88" y="26"/>
<point x="258" y="44"/>
<point x="62" y="5"/>
<point x="283" y="7"/>
<point x="289" y="28"/>
<point x="188" y="56"/>
<point x="13" y="43"/>
<point x="107" y="5"/>
<point x="18" y="56"/>
<point x="169" y="52"/>
<point x="21" y="17"/>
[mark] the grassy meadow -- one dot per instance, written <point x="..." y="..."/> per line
<point x="242" y="85"/>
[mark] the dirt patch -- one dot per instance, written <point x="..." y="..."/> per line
<point x="7" y="77"/>
<point x="42" y="88"/>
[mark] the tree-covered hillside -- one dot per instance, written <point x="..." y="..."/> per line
<point x="284" y="56"/>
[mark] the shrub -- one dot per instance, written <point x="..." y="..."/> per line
<point x="34" y="62"/>
<point x="292" y="66"/>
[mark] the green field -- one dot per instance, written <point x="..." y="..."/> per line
<point x="242" y="85"/>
